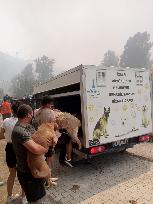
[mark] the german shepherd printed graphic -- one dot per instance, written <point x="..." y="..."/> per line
<point x="101" y="126"/>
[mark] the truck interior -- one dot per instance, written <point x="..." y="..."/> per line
<point x="70" y="104"/>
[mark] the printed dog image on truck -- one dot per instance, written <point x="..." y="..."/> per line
<point x="101" y="126"/>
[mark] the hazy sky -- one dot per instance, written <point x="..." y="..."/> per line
<point x="72" y="32"/>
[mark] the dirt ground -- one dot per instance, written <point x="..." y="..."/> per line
<point x="4" y="174"/>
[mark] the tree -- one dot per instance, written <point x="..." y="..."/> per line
<point x="137" y="51"/>
<point x="15" y="86"/>
<point x="1" y="93"/>
<point x="44" y="68"/>
<point x="27" y="80"/>
<point x="110" y="59"/>
<point x="22" y="84"/>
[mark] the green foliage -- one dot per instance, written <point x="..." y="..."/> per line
<point x="137" y="51"/>
<point x="110" y="59"/>
<point x="44" y="68"/>
<point x="22" y="84"/>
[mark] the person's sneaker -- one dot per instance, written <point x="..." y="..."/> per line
<point x="68" y="162"/>
<point x="1" y="183"/>
<point x="9" y="199"/>
<point x="24" y="200"/>
<point x="12" y="198"/>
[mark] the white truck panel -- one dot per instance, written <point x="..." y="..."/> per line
<point x="117" y="104"/>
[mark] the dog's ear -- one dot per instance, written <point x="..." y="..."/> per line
<point x="109" y="109"/>
<point x="104" y="109"/>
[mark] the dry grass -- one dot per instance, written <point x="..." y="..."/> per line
<point x="4" y="174"/>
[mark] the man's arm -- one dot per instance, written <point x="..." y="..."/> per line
<point x="34" y="147"/>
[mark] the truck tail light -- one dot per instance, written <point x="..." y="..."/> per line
<point x="144" y="138"/>
<point x="98" y="149"/>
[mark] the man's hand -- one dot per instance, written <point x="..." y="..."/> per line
<point x="55" y="139"/>
<point x="46" y="149"/>
<point x="49" y="142"/>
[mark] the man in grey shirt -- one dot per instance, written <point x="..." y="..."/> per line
<point x="22" y="142"/>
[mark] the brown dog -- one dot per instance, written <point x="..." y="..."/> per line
<point x="37" y="163"/>
<point x="69" y="122"/>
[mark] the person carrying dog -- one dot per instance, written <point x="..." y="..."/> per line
<point x="22" y="143"/>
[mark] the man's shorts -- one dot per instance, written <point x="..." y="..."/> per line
<point x="50" y="152"/>
<point x="33" y="187"/>
<point x="10" y="156"/>
<point x="63" y="139"/>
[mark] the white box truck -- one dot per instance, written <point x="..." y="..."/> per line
<point x="114" y="105"/>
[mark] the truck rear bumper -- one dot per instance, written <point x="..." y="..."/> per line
<point x="110" y="148"/>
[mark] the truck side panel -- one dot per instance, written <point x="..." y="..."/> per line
<point x="117" y="104"/>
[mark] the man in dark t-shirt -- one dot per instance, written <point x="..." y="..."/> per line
<point x="21" y="134"/>
<point x="22" y="142"/>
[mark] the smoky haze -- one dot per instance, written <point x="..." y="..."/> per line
<point x="71" y="32"/>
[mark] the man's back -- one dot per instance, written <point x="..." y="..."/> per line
<point x="20" y="135"/>
<point x="8" y="125"/>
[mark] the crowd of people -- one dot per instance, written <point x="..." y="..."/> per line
<point x="20" y="122"/>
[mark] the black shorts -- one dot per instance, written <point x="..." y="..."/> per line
<point x="33" y="187"/>
<point x="10" y="156"/>
<point x="50" y="152"/>
<point x="63" y="139"/>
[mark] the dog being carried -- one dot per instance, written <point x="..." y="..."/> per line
<point x="37" y="163"/>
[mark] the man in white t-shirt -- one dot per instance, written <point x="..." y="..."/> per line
<point x="6" y="129"/>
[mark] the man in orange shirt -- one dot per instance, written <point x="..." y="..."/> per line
<point x="6" y="109"/>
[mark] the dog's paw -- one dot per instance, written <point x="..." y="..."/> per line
<point x="52" y="182"/>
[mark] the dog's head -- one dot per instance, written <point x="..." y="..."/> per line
<point x="144" y="108"/>
<point x="106" y="112"/>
